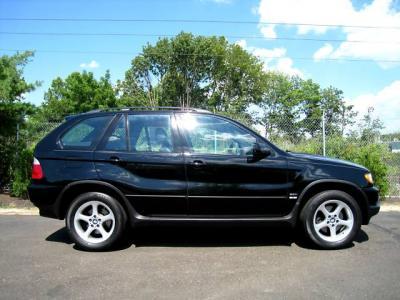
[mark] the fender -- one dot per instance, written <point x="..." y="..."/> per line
<point x="127" y="204"/>
<point x="296" y="208"/>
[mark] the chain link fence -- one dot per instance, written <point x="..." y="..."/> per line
<point x="315" y="136"/>
<point x="355" y="143"/>
<point x="35" y="131"/>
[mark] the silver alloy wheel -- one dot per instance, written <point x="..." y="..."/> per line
<point x="94" y="222"/>
<point x="333" y="220"/>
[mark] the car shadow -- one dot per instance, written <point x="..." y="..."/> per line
<point x="60" y="236"/>
<point x="207" y="237"/>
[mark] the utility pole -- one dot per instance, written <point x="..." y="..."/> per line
<point x="323" y="134"/>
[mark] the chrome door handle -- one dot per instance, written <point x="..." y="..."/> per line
<point x="115" y="159"/>
<point x="198" y="163"/>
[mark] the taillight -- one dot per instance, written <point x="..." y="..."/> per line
<point x="37" y="172"/>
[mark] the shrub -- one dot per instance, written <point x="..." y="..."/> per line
<point x="375" y="157"/>
<point x="21" y="172"/>
<point x="370" y="155"/>
<point x="8" y="148"/>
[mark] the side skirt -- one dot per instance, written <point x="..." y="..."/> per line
<point x="140" y="220"/>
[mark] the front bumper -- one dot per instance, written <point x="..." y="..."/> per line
<point x="374" y="205"/>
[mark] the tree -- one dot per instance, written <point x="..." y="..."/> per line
<point x="79" y="92"/>
<point x="187" y="70"/>
<point x="370" y="127"/>
<point x="280" y="105"/>
<point x="338" y="115"/>
<point x="13" y="110"/>
<point x="293" y="107"/>
<point x="13" y="87"/>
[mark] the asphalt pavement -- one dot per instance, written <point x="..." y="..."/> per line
<point x="38" y="261"/>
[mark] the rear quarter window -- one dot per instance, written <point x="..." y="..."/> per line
<point x="84" y="134"/>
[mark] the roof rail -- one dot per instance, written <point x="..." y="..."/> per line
<point x="128" y="108"/>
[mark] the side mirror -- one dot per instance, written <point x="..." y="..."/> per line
<point x="258" y="153"/>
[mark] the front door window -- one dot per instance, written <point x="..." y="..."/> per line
<point x="212" y="135"/>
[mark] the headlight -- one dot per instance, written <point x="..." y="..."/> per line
<point x="368" y="178"/>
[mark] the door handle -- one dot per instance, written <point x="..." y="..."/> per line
<point x="115" y="159"/>
<point x="198" y="163"/>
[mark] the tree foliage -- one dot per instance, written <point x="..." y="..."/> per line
<point x="293" y="107"/>
<point x="79" y="92"/>
<point x="198" y="71"/>
<point x="13" y="86"/>
<point x="371" y="127"/>
<point x="13" y="110"/>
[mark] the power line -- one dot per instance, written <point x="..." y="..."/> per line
<point x="346" y="59"/>
<point x="122" y="34"/>
<point x="195" y="21"/>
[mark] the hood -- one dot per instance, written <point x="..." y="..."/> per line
<point x="326" y="160"/>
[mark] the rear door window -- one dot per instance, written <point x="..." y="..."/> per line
<point x="84" y="134"/>
<point x="150" y="133"/>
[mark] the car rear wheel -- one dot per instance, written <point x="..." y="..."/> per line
<point x="95" y="221"/>
<point x="331" y="219"/>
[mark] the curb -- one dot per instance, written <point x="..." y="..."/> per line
<point x="19" y="211"/>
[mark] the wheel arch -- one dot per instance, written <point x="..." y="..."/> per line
<point x="350" y="188"/>
<point x="73" y="189"/>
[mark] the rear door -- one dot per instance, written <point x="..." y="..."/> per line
<point x="140" y="155"/>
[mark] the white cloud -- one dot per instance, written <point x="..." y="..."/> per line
<point x="268" y="31"/>
<point x="323" y="52"/>
<point x="336" y="12"/>
<point x="386" y="104"/>
<point x="91" y="65"/>
<point x="274" y="59"/>
<point x="305" y="12"/>
<point x="241" y="43"/>
<point x="285" y="65"/>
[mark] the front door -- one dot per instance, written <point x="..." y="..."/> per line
<point x="222" y="180"/>
<point x="140" y="156"/>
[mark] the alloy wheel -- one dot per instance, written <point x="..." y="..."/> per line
<point x="94" y="221"/>
<point x="333" y="220"/>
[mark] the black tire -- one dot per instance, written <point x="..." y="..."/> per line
<point x="119" y="217"/>
<point x="309" y="212"/>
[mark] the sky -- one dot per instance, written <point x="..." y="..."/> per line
<point x="301" y="37"/>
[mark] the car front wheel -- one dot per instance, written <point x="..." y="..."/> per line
<point x="95" y="221"/>
<point x="331" y="219"/>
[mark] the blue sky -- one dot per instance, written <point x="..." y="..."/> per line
<point x="373" y="82"/>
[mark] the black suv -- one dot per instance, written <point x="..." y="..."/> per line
<point x="105" y="171"/>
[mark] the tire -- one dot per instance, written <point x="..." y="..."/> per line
<point x="331" y="219"/>
<point x="95" y="231"/>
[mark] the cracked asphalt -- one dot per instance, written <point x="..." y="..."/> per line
<point x="38" y="261"/>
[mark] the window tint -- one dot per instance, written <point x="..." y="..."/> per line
<point x="85" y="133"/>
<point x="117" y="140"/>
<point x="213" y="135"/>
<point x="150" y="133"/>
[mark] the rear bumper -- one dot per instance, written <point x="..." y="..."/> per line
<point x="374" y="205"/>
<point x="44" y="197"/>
